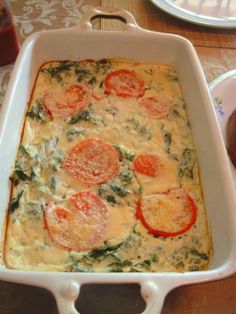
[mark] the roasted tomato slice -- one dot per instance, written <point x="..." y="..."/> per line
<point x="124" y="83"/>
<point x="65" y="102"/>
<point x="147" y="164"/>
<point x="157" y="108"/>
<point x="92" y="161"/>
<point x="80" y="228"/>
<point x="168" y="214"/>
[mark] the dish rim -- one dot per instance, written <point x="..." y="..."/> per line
<point x="221" y="108"/>
<point x="66" y="287"/>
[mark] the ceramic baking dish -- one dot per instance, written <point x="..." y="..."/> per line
<point x="83" y="42"/>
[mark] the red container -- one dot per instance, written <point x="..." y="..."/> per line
<point x="9" y="46"/>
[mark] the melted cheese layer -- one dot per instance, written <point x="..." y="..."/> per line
<point x="125" y="123"/>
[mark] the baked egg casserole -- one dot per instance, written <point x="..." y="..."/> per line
<point x="106" y="177"/>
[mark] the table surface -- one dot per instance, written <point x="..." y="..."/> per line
<point x="216" y="49"/>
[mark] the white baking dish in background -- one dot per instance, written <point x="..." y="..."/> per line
<point x="82" y="42"/>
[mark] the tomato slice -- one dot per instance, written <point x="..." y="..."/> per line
<point x="124" y="83"/>
<point x="65" y="102"/>
<point x="92" y="161"/>
<point x="155" y="107"/>
<point x="81" y="228"/>
<point x="168" y="214"/>
<point x="147" y="165"/>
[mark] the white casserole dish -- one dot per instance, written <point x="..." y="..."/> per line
<point x="82" y="42"/>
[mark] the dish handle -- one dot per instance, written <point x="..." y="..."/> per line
<point x="153" y="293"/>
<point x="109" y="12"/>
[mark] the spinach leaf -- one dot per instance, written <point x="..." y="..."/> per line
<point x="102" y="66"/>
<point x="15" y="202"/>
<point x="167" y="138"/>
<point x="202" y="256"/>
<point x="111" y="199"/>
<point x="140" y="128"/>
<point x="73" y="132"/>
<point x="118" y="265"/>
<point x="119" y="190"/>
<point x="187" y="164"/>
<point x="127" y="176"/>
<point x="172" y="75"/>
<point x="124" y="153"/>
<point x="38" y="113"/>
<point x="53" y="183"/>
<point x="55" y="72"/>
<point x="101" y="253"/>
<point x="105" y="193"/>
<point x="85" y="115"/>
<point x="21" y="175"/>
<point x="82" y="74"/>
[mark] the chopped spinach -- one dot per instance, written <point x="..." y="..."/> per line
<point x="103" y="188"/>
<point x="32" y="160"/>
<point x="189" y="257"/>
<point x="127" y="176"/>
<point x="146" y="264"/>
<point x="53" y="183"/>
<point x="38" y="112"/>
<point x="87" y="71"/>
<point x="179" y="265"/>
<point x="55" y="72"/>
<point x="143" y="131"/>
<point x="23" y="149"/>
<point x="25" y="177"/>
<point x="92" y="81"/>
<point x="119" y="190"/>
<point x="124" y="153"/>
<point x="15" y="202"/>
<point x="76" y="267"/>
<point x="81" y="73"/>
<point x="111" y="199"/>
<point x="140" y="128"/>
<point x="105" y="193"/>
<point x="72" y="133"/>
<point x="47" y="147"/>
<point x="79" y="264"/>
<point x="167" y="138"/>
<point x="28" y="150"/>
<point x="101" y="253"/>
<point x="56" y="163"/>
<point x="175" y="112"/>
<point x="34" y="209"/>
<point x="119" y="265"/>
<point x="112" y="110"/>
<point x="172" y="75"/>
<point x="85" y="115"/>
<point x="202" y="256"/>
<point x="187" y="164"/>
<point x="102" y="66"/>
<point x="22" y="175"/>
<point x="149" y="71"/>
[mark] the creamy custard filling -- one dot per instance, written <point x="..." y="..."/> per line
<point x="106" y="154"/>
